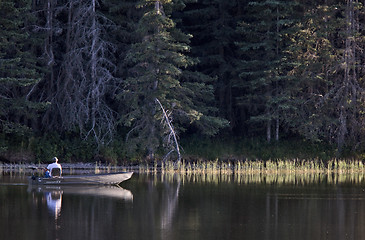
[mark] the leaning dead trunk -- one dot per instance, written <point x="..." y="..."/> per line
<point x="172" y="132"/>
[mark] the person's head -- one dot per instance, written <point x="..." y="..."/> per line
<point x="55" y="159"/>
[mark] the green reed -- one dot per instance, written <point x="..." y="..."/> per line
<point x="257" y="166"/>
<point x="248" y="169"/>
<point x="293" y="178"/>
<point x="295" y="171"/>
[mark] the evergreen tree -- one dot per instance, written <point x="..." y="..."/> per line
<point x="326" y="51"/>
<point x="48" y="34"/>
<point x="125" y="16"/>
<point x="156" y="73"/>
<point x="212" y="24"/>
<point x="263" y="82"/>
<point x="18" y="69"/>
<point x="314" y="56"/>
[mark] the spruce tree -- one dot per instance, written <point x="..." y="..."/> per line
<point x="125" y="17"/>
<point x="212" y="24"/>
<point x="18" y="69"/>
<point x="263" y="81"/>
<point x="326" y="52"/>
<point x="157" y="73"/>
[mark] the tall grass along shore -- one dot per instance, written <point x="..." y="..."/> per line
<point x="257" y="166"/>
<point x="204" y="167"/>
<point x="294" y="171"/>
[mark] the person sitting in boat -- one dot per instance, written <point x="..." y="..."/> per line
<point x="55" y="168"/>
<point x="46" y="173"/>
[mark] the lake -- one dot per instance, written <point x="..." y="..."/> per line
<point x="187" y="207"/>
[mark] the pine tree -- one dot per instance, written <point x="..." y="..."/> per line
<point x="157" y="73"/>
<point x="18" y="69"/>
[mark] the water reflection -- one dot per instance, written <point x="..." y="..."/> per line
<point x="272" y="206"/>
<point x="170" y="205"/>
<point x="170" y="201"/>
<point x="54" y="202"/>
<point x="186" y="207"/>
<point x="73" y="212"/>
<point x="296" y="178"/>
<point x="53" y="194"/>
<point x="158" y="205"/>
<point x="101" y="191"/>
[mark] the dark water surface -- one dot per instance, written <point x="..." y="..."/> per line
<point x="175" y="207"/>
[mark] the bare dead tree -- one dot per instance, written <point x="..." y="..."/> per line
<point x="86" y="73"/>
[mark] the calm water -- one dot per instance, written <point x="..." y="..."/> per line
<point x="175" y="207"/>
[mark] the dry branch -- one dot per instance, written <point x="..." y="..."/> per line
<point x="172" y="131"/>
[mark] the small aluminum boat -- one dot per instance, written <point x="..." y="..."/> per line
<point x="98" y="179"/>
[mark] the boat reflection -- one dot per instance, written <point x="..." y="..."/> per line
<point x="53" y="194"/>
<point x="102" y="191"/>
<point x="54" y="202"/>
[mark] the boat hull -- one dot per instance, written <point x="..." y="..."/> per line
<point x="94" y="179"/>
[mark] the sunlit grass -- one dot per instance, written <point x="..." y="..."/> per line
<point x="257" y="166"/>
<point x="294" y="171"/>
<point x="298" y="172"/>
<point x="297" y="179"/>
<point x="279" y="171"/>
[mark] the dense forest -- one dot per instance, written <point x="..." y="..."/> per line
<point x="133" y="78"/>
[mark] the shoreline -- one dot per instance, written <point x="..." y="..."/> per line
<point x="293" y="166"/>
<point x="67" y="168"/>
<point x="201" y="173"/>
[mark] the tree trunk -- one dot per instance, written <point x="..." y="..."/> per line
<point x="349" y="82"/>
<point x="93" y="73"/>
<point x="49" y="58"/>
<point x="169" y="124"/>
<point x="268" y="131"/>
<point x="277" y="129"/>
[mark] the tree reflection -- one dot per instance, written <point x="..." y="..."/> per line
<point x="170" y="201"/>
<point x="174" y="207"/>
<point x="156" y="206"/>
